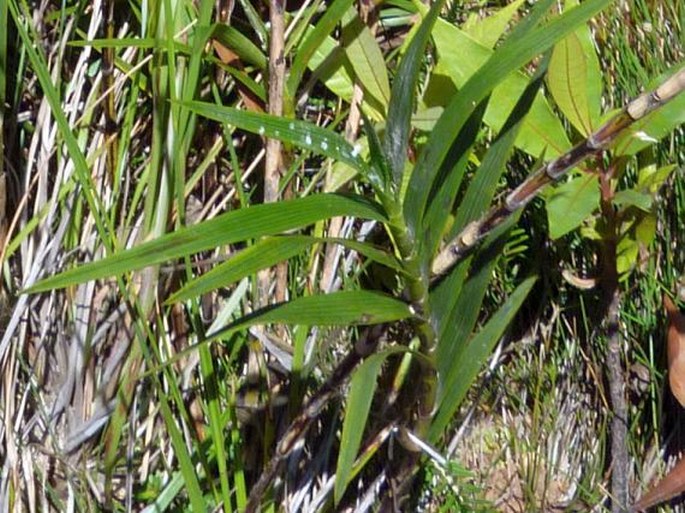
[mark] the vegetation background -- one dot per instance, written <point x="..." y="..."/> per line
<point x="164" y="379"/>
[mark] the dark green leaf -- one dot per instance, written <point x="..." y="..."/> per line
<point x="346" y="308"/>
<point x="358" y="404"/>
<point x="471" y="357"/>
<point x="235" y="226"/>
<point x="403" y="95"/>
<point x="266" y="253"/>
<point x="235" y="41"/>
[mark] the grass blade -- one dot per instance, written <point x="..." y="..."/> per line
<point x="267" y="253"/>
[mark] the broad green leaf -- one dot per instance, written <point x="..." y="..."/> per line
<point x="575" y="80"/>
<point x="645" y="231"/>
<point x="632" y="197"/>
<point x="505" y="60"/>
<point x="235" y="226"/>
<point x="266" y="253"/>
<point x="298" y="133"/>
<point x="357" y="406"/>
<point x="471" y="357"/>
<point x="542" y="130"/>
<point x="314" y="38"/>
<point x="366" y="60"/>
<point x="345" y="308"/>
<point x="331" y="66"/>
<point x="234" y="40"/>
<point x="650" y="179"/>
<point x="488" y="30"/>
<point x="569" y="204"/>
<point x="403" y="96"/>
<point x="627" y="251"/>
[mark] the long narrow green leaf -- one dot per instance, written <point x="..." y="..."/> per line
<point x="235" y="226"/>
<point x="267" y="253"/>
<point x="332" y="16"/>
<point x="403" y="96"/>
<point x="482" y="188"/>
<point x="468" y="362"/>
<point x="455" y="166"/>
<point x="298" y="133"/>
<point x="358" y="404"/>
<point x="233" y="39"/>
<point x="345" y="308"/>
<point x="505" y="60"/>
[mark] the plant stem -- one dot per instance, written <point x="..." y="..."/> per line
<point x="274" y="149"/>
<point x="615" y="374"/>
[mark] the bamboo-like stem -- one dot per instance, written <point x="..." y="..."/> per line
<point x="555" y="169"/>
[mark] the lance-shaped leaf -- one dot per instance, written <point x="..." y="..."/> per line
<point x="575" y="80"/>
<point x="345" y="308"/>
<point x="366" y="60"/>
<point x="332" y="16"/>
<point x="403" y="95"/>
<point x="357" y="407"/>
<point x="471" y="357"/>
<point x="235" y="226"/>
<point x="298" y="133"/>
<point x="266" y="253"/>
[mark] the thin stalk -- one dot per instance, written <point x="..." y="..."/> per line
<point x="274" y="149"/>
<point x="614" y="368"/>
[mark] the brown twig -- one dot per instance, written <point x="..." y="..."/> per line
<point x="614" y="367"/>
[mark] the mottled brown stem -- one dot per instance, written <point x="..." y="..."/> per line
<point x="602" y="139"/>
<point x="614" y="366"/>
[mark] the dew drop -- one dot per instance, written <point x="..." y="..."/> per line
<point x="308" y="140"/>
